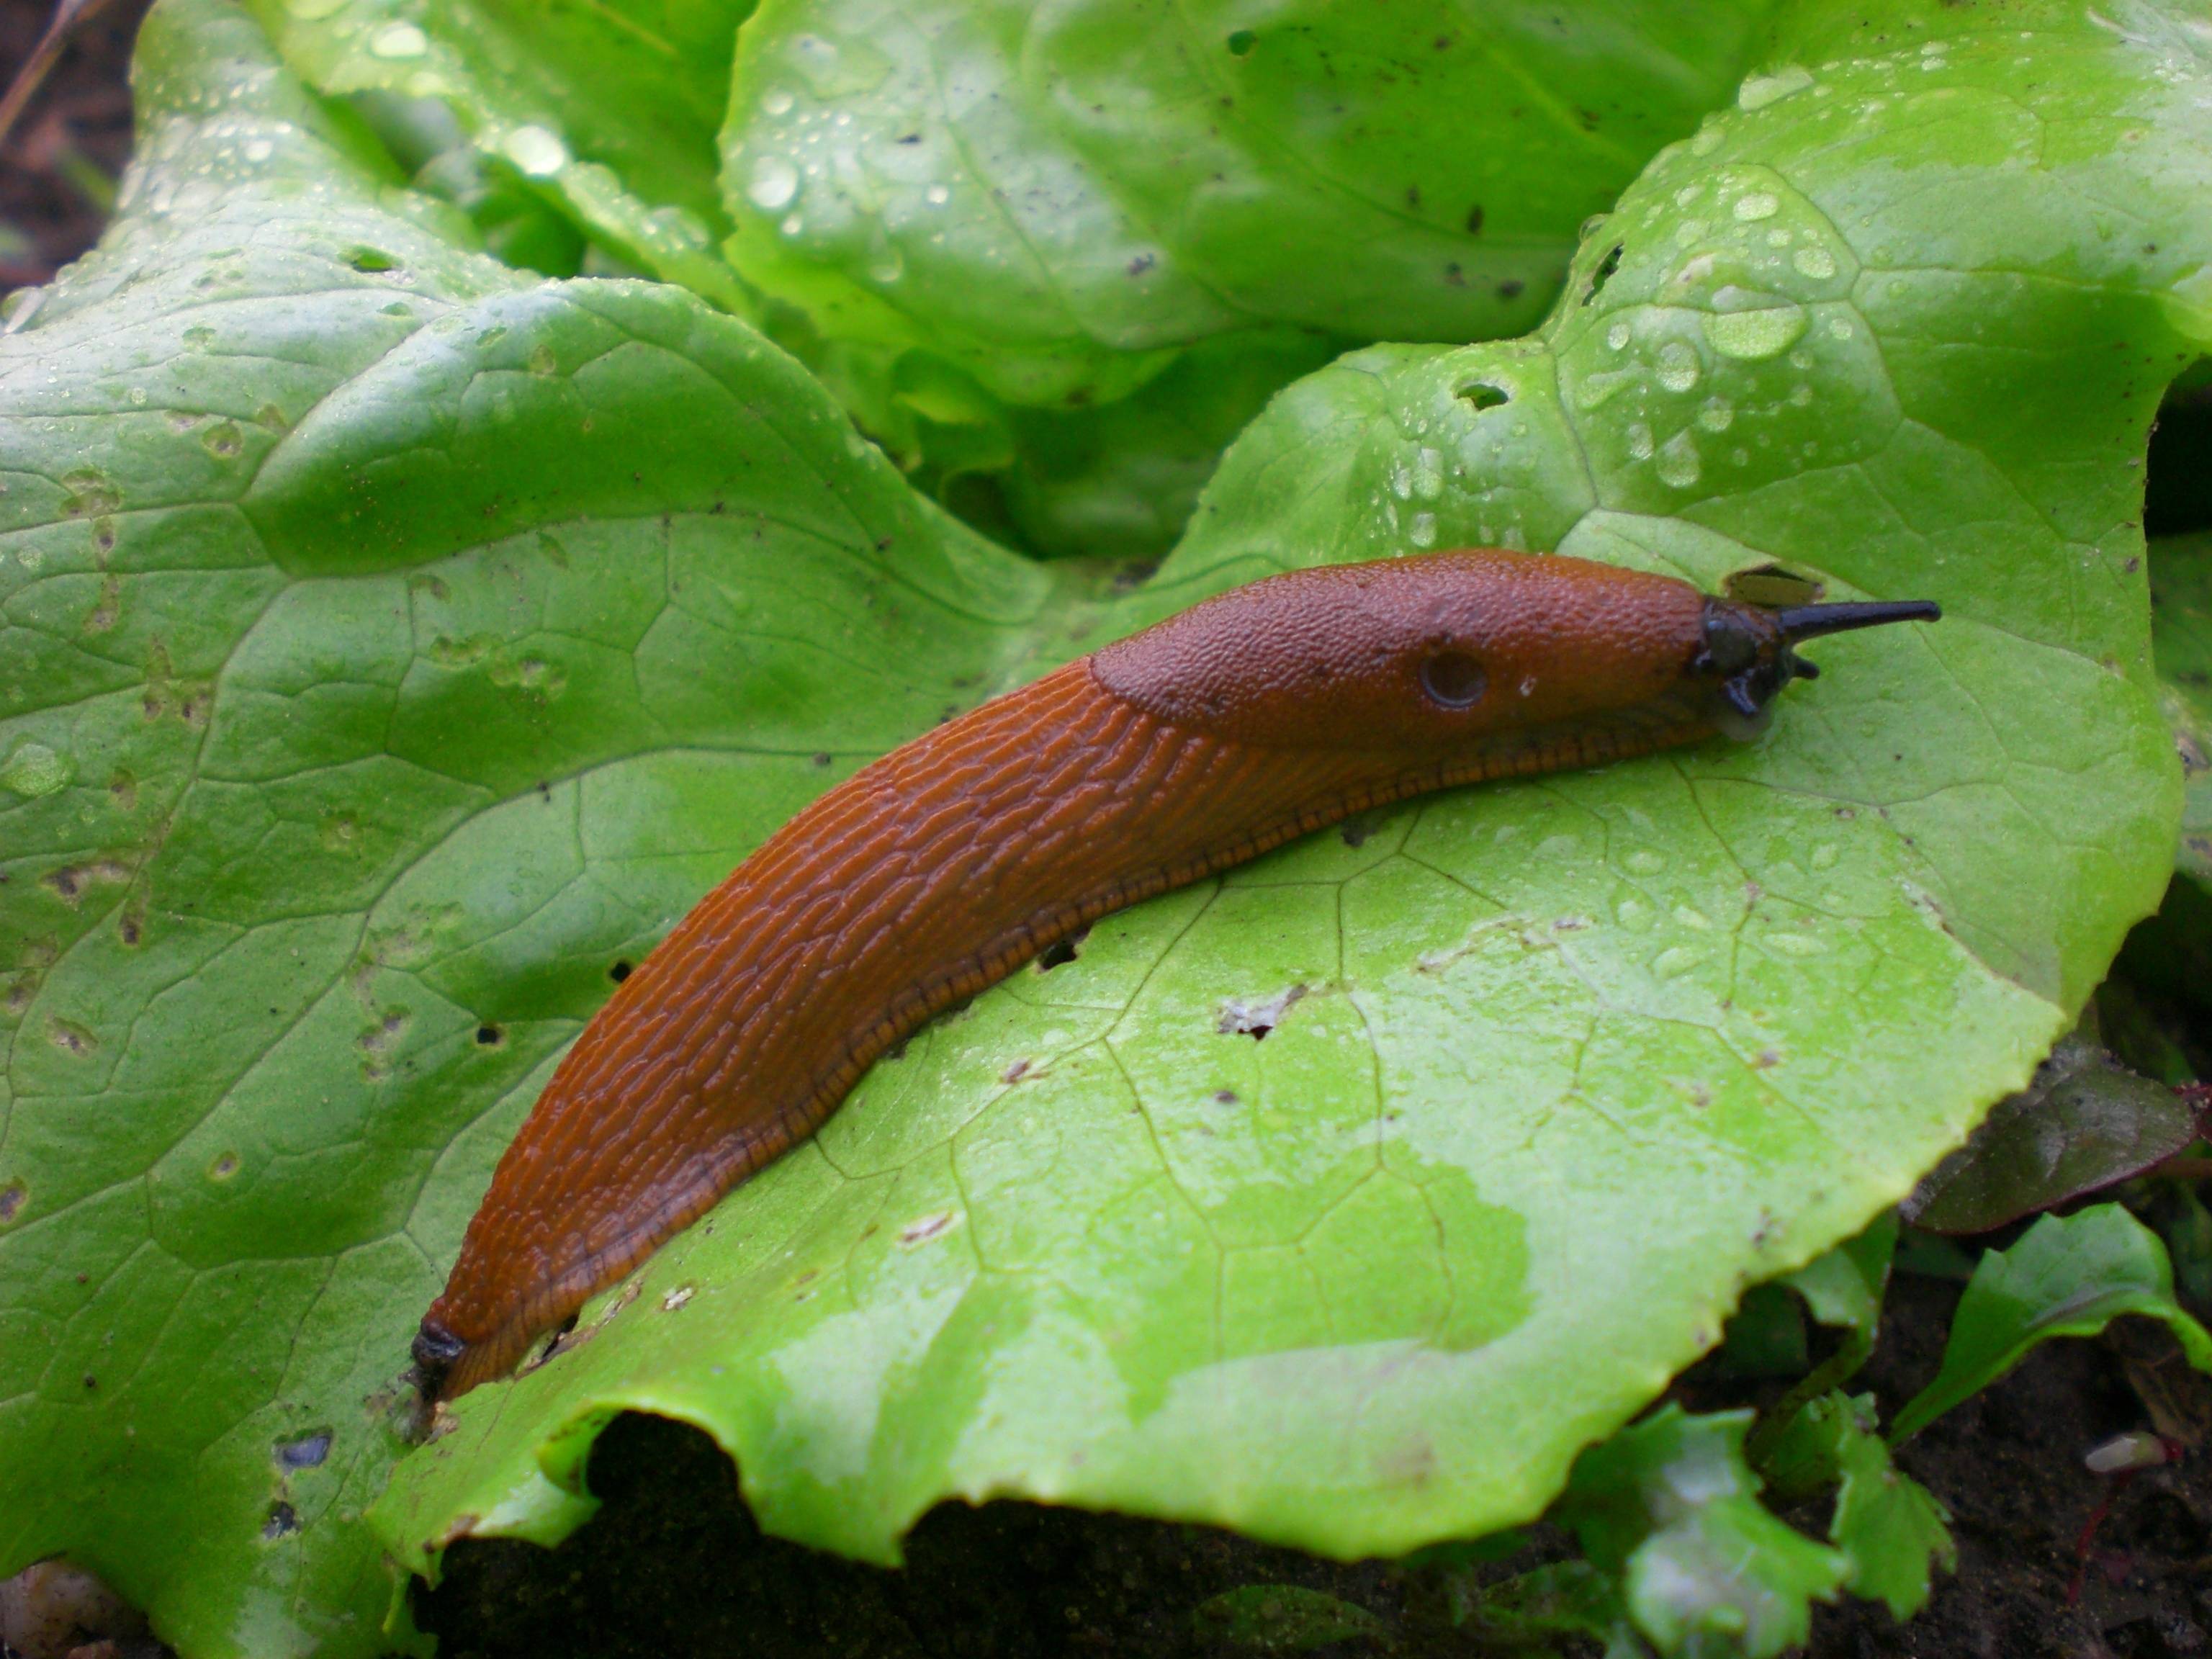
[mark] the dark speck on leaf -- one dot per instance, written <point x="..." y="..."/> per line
<point x="284" y="1520"/>
<point x="545" y="792"/>
<point x="619" y="972"/>
<point x="1141" y="264"/>
<point x="1510" y="289"/>
<point x="1412" y="196"/>
<point x="489" y="1036"/>
<point x="909" y="138"/>
<point x="883" y="543"/>
<point x="1454" y="277"/>
<point x="1224" y="1096"/>
<point x="1474" y="220"/>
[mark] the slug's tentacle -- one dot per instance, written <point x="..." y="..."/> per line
<point x="1249" y="720"/>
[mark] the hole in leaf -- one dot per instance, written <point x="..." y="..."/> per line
<point x="489" y="1036"/>
<point x="1484" y="395"/>
<point x="308" y="1451"/>
<point x="284" y="1520"/>
<point x="1606" y="267"/>
<point x="1060" y="954"/>
<point x="1241" y="41"/>
<point x="1256" y="1019"/>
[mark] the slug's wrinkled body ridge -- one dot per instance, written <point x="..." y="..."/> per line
<point x="1245" y="721"/>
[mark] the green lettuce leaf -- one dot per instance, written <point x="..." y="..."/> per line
<point x="608" y="110"/>
<point x="396" y="644"/>
<point x="1057" y="200"/>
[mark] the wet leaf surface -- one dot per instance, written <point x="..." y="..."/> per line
<point x="398" y="644"/>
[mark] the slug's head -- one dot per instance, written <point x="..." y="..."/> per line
<point x="1745" y="655"/>
<point x="1449" y="653"/>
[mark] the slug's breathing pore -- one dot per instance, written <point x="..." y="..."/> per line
<point x="1249" y="720"/>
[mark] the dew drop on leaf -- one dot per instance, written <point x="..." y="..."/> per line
<point x="1814" y="261"/>
<point x="1679" y="466"/>
<point x="774" y="182"/>
<point x="1749" y="336"/>
<point x="398" y="41"/>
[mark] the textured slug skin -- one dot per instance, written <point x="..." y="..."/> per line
<point x="1249" y="720"/>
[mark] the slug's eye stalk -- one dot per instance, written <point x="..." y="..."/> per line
<point x="1746" y="648"/>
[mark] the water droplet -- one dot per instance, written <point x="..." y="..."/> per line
<point x="1758" y="91"/>
<point x="1679" y="466"/>
<point x="1676" y="961"/>
<point x="1795" y="944"/>
<point x="1695" y="919"/>
<point x="886" y="266"/>
<point x="777" y="102"/>
<point x="1596" y="389"/>
<point x="542" y="360"/>
<point x="1707" y="141"/>
<point x="1824" y="855"/>
<point x="1717" y="415"/>
<point x="1687" y="194"/>
<point x="1801" y="394"/>
<point x="1677" y="366"/>
<point x="937" y="195"/>
<point x="35" y="770"/>
<point x="538" y="152"/>
<point x="398" y="41"/>
<point x="223" y="439"/>
<point x="1639" y="441"/>
<point x="774" y="182"/>
<point x="1645" y="861"/>
<point x="1758" y="204"/>
<point x="1617" y="336"/>
<point x="1428" y="475"/>
<point x="1422" y="531"/>
<point x="838" y="69"/>
<point x="1814" y="261"/>
<point x="1839" y="327"/>
<point x="310" y="11"/>
<point x="1751" y="335"/>
<point x="792" y="225"/>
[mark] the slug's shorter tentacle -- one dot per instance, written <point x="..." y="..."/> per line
<point x="1249" y="720"/>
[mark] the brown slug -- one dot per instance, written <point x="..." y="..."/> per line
<point x="1245" y="721"/>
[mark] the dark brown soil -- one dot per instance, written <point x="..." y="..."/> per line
<point x="673" y="1562"/>
<point x="58" y="170"/>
